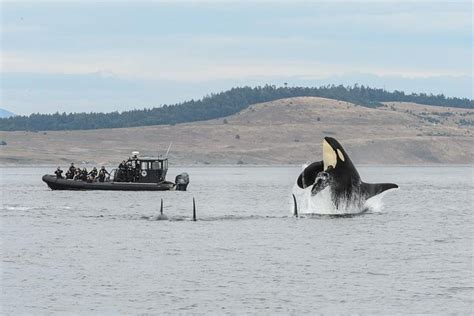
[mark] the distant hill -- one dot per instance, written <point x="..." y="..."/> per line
<point x="5" y="114"/>
<point x="285" y="131"/>
<point x="218" y="106"/>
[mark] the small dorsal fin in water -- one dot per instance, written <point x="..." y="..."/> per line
<point x="372" y="189"/>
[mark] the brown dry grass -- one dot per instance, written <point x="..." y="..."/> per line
<point x="287" y="131"/>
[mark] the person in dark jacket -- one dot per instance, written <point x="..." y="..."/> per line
<point x="84" y="174"/>
<point x="102" y="174"/>
<point x="59" y="173"/>
<point x="129" y="177"/>
<point x="71" y="172"/>
<point x="93" y="174"/>
<point x="77" y="174"/>
<point x="122" y="172"/>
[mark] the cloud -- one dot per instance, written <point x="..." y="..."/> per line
<point x="204" y="44"/>
<point x="411" y="23"/>
<point x="166" y="67"/>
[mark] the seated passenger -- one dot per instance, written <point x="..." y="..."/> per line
<point x="102" y="174"/>
<point x="59" y="173"/>
<point x="93" y="174"/>
<point x="84" y="174"/>
<point x="71" y="172"/>
<point x="77" y="174"/>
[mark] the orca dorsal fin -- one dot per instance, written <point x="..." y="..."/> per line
<point x="308" y="176"/>
<point x="372" y="189"/>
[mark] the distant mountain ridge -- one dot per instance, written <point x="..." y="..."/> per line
<point x="220" y="105"/>
<point x="6" y="114"/>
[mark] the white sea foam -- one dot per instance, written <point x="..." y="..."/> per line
<point x="322" y="203"/>
<point x="18" y="208"/>
<point x="375" y="203"/>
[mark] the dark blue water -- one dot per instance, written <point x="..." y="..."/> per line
<point x="99" y="252"/>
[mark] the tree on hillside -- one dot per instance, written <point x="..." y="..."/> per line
<point x="219" y="105"/>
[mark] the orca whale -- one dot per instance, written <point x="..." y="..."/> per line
<point x="335" y="181"/>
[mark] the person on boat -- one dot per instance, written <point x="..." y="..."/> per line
<point x="102" y="174"/>
<point x="77" y="174"/>
<point x="59" y="173"/>
<point x="134" y="172"/>
<point x="123" y="165"/>
<point x="84" y="174"/>
<point x="129" y="172"/>
<point x="93" y="174"/>
<point x="71" y="172"/>
<point x="122" y="172"/>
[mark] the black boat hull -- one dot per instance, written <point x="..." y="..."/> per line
<point x="67" y="184"/>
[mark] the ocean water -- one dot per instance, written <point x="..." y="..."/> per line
<point x="101" y="252"/>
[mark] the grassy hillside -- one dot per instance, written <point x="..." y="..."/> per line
<point x="217" y="106"/>
<point x="286" y="131"/>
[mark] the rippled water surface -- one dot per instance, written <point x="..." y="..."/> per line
<point x="99" y="252"/>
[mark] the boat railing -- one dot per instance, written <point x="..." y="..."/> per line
<point x="113" y="175"/>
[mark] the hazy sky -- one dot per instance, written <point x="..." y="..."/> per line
<point x="117" y="55"/>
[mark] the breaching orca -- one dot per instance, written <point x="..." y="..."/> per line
<point x="336" y="180"/>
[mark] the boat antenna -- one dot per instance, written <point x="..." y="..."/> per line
<point x="168" y="151"/>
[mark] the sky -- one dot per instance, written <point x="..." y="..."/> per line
<point x="83" y="56"/>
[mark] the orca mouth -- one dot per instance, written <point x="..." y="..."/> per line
<point x="321" y="182"/>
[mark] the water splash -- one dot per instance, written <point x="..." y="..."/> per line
<point x="322" y="203"/>
<point x="375" y="203"/>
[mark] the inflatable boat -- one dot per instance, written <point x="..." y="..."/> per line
<point x="135" y="174"/>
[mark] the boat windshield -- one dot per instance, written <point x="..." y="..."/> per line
<point x="157" y="165"/>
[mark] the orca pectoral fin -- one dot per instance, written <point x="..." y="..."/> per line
<point x="308" y="176"/>
<point x="372" y="189"/>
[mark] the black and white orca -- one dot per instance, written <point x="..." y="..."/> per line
<point x="335" y="182"/>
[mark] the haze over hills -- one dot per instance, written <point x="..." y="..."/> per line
<point x="285" y="131"/>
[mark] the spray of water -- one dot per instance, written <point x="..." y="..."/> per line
<point x="321" y="203"/>
<point x="375" y="203"/>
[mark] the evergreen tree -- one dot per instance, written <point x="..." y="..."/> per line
<point x="219" y="105"/>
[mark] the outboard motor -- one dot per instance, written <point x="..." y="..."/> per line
<point x="182" y="181"/>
